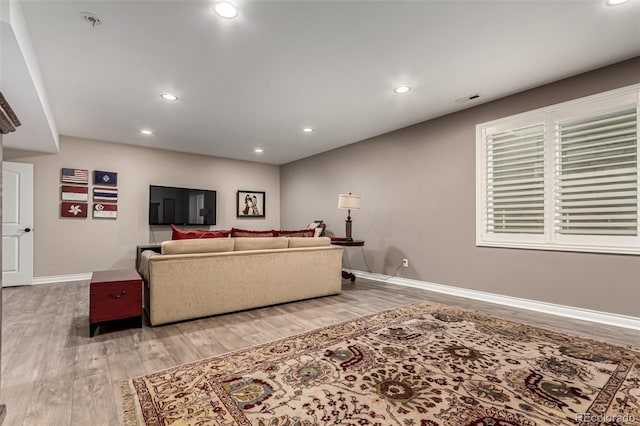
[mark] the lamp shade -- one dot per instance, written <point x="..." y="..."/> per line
<point x="348" y="202"/>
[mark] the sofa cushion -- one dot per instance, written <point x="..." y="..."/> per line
<point x="300" y="233"/>
<point x="201" y="245"/>
<point x="253" y="243"/>
<point x="235" y="232"/>
<point x="295" y="242"/>
<point x="179" y="234"/>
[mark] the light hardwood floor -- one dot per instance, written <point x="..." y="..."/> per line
<point x="53" y="373"/>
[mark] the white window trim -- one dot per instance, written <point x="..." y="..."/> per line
<point x="550" y="240"/>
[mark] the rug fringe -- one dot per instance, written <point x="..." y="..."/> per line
<point x="130" y="413"/>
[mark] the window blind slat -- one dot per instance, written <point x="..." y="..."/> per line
<point x="605" y="209"/>
<point x="516" y="211"/>
<point x="629" y="232"/>
<point x="570" y="140"/>
<point x="604" y="126"/>
<point x="600" y="158"/>
<point x="600" y="195"/>
<point x="627" y="114"/>
<point x="517" y="231"/>
<point x="520" y="164"/>
<point x="588" y="216"/>
<point x="520" y="153"/>
<point x="598" y="168"/>
<point x="524" y="183"/>
<point x="572" y="179"/>
<point x="595" y="188"/>
<point x="582" y="147"/>
<point x="597" y="202"/>
<point x="497" y="141"/>
<point x="599" y="225"/>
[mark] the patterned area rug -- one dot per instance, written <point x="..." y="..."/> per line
<point x="423" y="364"/>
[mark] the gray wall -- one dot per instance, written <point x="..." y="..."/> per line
<point x="418" y="201"/>
<point x="70" y="246"/>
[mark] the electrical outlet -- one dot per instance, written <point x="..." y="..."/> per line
<point x="405" y="263"/>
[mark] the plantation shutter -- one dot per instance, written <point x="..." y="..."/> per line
<point x="597" y="174"/>
<point x="515" y="181"/>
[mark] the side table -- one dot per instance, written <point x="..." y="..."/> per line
<point x="348" y="243"/>
<point x="114" y="295"/>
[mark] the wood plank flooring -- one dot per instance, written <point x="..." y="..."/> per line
<point x="53" y="373"/>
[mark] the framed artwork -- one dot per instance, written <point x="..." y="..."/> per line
<point x="105" y="211"/>
<point x="105" y="195"/>
<point x="78" y="176"/>
<point x="74" y="193"/>
<point x="78" y="210"/>
<point x="250" y="203"/>
<point x="105" y="178"/>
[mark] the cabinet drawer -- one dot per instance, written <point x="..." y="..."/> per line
<point x="115" y="301"/>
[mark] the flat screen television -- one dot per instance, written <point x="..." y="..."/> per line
<point x="181" y="206"/>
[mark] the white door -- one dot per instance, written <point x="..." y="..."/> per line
<point x="17" y="224"/>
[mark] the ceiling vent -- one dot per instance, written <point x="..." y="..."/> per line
<point x="91" y="18"/>
<point x="467" y="98"/>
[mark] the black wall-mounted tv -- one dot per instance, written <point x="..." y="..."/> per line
<point x="181" y="206"/>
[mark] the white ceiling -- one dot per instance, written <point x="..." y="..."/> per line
<point x="257" y="80"/>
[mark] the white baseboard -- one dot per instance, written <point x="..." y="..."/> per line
<point x="61" y="278"/>
<point x="532" y="305"/>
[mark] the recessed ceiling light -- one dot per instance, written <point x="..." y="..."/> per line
<point x="146" y="132"/>
<point x="402" y="89"/>
<point x="91" y="18"/>
<point x="258" y="150"/>
<point x="225" y="9"/>
<point x="169" y="97"/>
<point x="307" y="130"/>
<point x="614" y="2"/>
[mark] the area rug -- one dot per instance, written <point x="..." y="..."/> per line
<point x="423" y="364"/>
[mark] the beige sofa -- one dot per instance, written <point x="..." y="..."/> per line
<point x="198" y="278"/>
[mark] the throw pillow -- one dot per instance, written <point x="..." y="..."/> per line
<point x="318" y="226"/>
<point x="299" y="233"/>
<point x="178" y="234"/>
<point x="235" y="232"/>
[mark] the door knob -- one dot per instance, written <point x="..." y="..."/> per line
<point x="26" y="229"/>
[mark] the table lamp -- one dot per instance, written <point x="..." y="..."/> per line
<point x="348" y="202"/>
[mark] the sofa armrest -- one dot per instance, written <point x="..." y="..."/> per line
<point x="143" y="267"/>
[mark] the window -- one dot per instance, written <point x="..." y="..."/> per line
<point x="564" y="177"/>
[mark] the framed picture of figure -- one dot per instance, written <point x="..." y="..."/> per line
<point x="250" y="204"/>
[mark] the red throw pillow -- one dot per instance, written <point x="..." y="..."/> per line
<point x="235" y="232"/>
<point x="178" y="234"/>
<point x="300" y="233"/>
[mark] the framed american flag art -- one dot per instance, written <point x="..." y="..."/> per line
<point x="75" y="176"/>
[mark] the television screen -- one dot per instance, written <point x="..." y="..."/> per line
<point x="181" y="206"/>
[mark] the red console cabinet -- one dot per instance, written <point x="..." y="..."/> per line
<point x="114" y="295"/>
